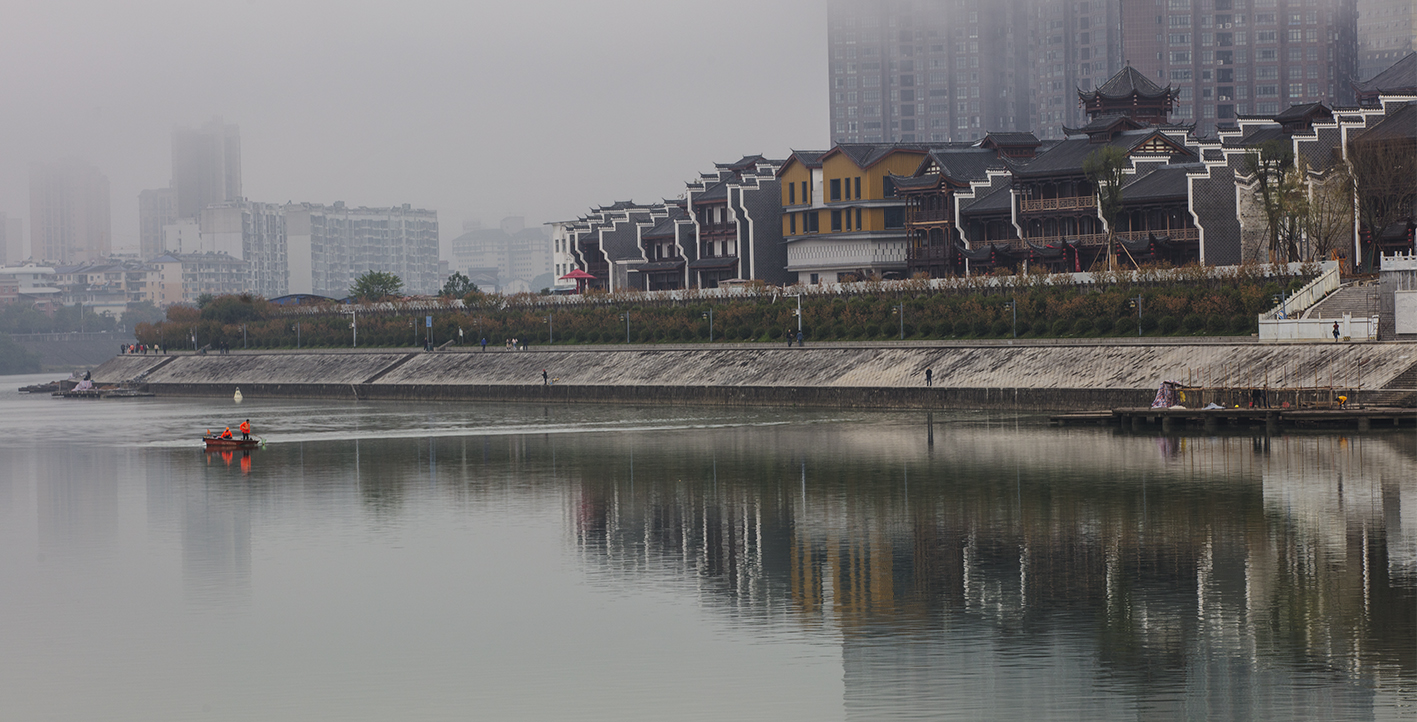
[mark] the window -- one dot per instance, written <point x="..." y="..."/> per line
<point x="1267" y="72"/>
<point x="806" y="196"/>
<point x="858" y="194"/>
<point x="792" y="224"/>
<point x="858" y="219"/>
<point x="1180" y="75"/>
<point x="1266" y="91"/>
<point x="1296" y="90"/>
<point x="895" y="217"/>
<point x="1179" y="39"/>
<point x="836" y="221"/>
<point x="1313" y="89"/>
<point x="809" y="222"/>
<point x="791" y="194"/>
<point x="836" y="190"/>
<point x="1181" y="57"/>
<point x="1265" y="36"/>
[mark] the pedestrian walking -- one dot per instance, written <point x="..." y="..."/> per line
<point x="929" y="376"/>
<point x="484" y="344"/>
<point x="789" y="338"/>
<point x="1335" y="332"/>
<point x="799" y="339"/>
<point x="545" y="379"/>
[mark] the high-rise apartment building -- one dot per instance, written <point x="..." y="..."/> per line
<point x="521" y="255"/>
<point x="254" y="233"/>
<point x="69" y="212"/>
<point x="329" y="247"/>
<point x="206" y="166"/>
<point x="1387" y="31"/>
<point x="13" y="246"/>
<point x="1229" y="58"/>
<point x="1074" y="45"/>
<point x="157" y="208"/>
<point x="914" y="71"/>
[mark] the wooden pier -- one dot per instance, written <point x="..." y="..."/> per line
<point x="1173" y="419"/>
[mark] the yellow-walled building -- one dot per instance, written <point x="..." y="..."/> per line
<point x="842" y="219"/>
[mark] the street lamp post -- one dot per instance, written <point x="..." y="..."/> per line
<point x="550" y="329"/>
<point x="900" y="311"/>
<point x="297" y="334"/>
<point x="709" y="316"/>
<point x="354" y="326"/>
<point x="1138" y="315"/>
<point x="1013" y="306"/>
<point x="626" y="316"/>
<point x="243" y="335"/>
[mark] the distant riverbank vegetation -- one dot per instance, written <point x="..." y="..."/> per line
<point x="1205" y="304"/>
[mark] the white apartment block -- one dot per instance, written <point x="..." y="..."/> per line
<point x="254" y="233"/>
<point x="329" y="247"/>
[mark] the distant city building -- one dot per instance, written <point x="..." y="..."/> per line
<point x="69" y="212"/>
<point x="185" y="277"/>
<point x="157" y="208"/>
<point x="206" y="166"/>
<point x="254" y="233"/>
<point x="329" y="247"/>
<point x="36" y="285"/>
<point x="1231" y="58"/>
<point x="1387" y="31"/>
<point x="521" y="255"/>
<point x="14" y="247"/>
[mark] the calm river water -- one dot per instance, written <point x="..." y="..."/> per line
<point x="381" y="561"/>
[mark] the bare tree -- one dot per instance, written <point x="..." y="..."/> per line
<point x="1328" y="224"/>
<point x="1104" y="168"/>
<point x="1280" y="186"/>
<point x="1385" y="180"/>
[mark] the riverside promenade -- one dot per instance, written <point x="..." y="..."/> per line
<point x="1035" y="375"/>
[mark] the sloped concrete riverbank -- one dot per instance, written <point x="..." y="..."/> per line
<point x="1024" y="376"/>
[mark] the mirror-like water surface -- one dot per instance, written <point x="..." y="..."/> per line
<point x="454" y="561"/>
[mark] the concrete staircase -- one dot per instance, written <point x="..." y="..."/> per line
<point x="1400" y="391"/>
<point x="1358" y="300"/>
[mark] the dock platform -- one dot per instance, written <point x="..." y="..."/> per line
<point x="1172" y="419"/>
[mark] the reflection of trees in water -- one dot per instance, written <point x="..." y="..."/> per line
<point x="1165" y="558"/>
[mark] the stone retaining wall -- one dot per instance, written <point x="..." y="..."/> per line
<point x="1023" y="376"/>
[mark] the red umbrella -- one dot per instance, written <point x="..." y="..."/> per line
<point x="580" y="277"/>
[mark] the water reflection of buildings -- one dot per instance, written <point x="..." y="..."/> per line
<point x="1228" y="563"/>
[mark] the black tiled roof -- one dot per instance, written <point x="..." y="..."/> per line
<point x="1163" y="183"/>
<point x="997" y="200"/>
<point x="663" y="229"/>
<point x="713" y="264"/>
<point x="1399" y="124"/>
<point x="928" y="180"/>
<point x="967" y="165"/>
<point x="716" y="192"/>
<point x="1127" y="81"/>
<point x="1400" y="76"/>
<point x="1068" y="156"/>
<point x="1012" y="140"/>
<point x="1258" y="136"/>
<point x="1299" y="112"/>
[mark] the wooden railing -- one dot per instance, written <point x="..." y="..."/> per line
<point x="1057" y="204"/>
<point x="930" y="216"/>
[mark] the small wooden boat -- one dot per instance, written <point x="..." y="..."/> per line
<point x="216" y="443"/>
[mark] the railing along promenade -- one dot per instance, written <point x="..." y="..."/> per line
<point x="954" y="284"/>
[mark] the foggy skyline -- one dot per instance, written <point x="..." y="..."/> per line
<point x="539" y="109"/>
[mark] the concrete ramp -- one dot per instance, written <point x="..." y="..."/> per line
<point x="275" y="368"/>
<point x="126" y="368"/>
<point x="1042" y="366"/>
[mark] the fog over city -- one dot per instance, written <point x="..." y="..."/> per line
<point x="481" y="110"/>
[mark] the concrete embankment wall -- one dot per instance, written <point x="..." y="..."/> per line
<point x="1022" y="376"/>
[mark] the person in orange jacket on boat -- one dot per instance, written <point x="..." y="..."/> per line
<point x="246" y="430"/>
<point x="226" y="434"/>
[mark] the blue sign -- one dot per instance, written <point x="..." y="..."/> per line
<point x="428" y="321"/>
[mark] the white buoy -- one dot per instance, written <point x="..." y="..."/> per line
<point x="237" y="396"/>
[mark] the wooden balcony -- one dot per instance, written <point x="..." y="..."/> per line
<point x="931" y="216"/>
<point x="1043" y="205"/>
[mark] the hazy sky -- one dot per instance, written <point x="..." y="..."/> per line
<point x="538" y="108"/>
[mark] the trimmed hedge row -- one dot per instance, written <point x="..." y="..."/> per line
<point x="1040" y="312"/>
